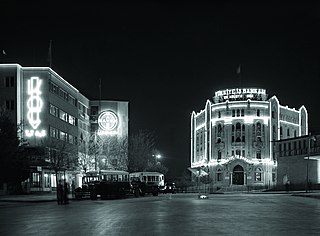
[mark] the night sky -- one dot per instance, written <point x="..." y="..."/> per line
<point x="167" y="58"/>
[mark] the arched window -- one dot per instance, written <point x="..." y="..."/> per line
<point x="243" y="128"/>
<point x="258" y="126"/>
<point x="238" y="140"/>
<point x="288" y="132"/>
<point x="238" y="127"/>
<point x="219" y="114"/>
<point x="238" y="152"/>
<point x="219" y="175"/>
<point x="219" y="155"/>
<point x="238" y="112"/>
<point x="258" y="174"/>
<point x="242" y="112"/>
<point x="258" y="154"/>
<point x="219" y="128"/>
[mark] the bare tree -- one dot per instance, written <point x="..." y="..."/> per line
<point x="61" y="155"/>
<point x="115" y="153"/>
<point x="142" y="147"/>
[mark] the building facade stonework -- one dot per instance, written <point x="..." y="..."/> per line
<point x="231" y="138"/>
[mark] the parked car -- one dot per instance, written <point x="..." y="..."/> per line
<point x="169" y="187"/>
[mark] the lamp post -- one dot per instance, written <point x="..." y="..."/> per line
<point x="156" y="157"/>
<point x="307" y="165"/>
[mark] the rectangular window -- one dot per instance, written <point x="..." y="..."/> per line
<point x="10" y="105"/>
<point x="53" y="88"/>
<point x="7" y="82"/>
<point x="54" y="110"/>
<point x="63" y="115"/>
<point x="71" y="139"/>
<point x="258" y="176"/>
<point x="63" y="136"/>
<point x="72" y="120"/>
<point x="35" y="180"/>
<point x="94" y="110"/>
<point x="11" y="81"/>
<point x="54" y="133"/>
<point x="72" y="100"/>
<point x="258" y="155"/>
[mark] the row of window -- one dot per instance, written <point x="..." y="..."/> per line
<point x="55" y="111"/>
<point x="59" y="134"/>
<point x="238" y="113"/>
<point x="67" y="97"/>
<point x="258" y="175"/>
<point x="238" y="152"/>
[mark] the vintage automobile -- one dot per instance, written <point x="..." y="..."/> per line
<point x="105" y="184"/>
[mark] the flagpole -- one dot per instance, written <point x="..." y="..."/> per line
<point x="100" y="93"/>
<point x="239" y="75"/>
<point x="50" y="54"/>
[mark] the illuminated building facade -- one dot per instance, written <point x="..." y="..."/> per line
<point x="298" y="160"/>
<point x="231" y="137"/>
<point x="50" y="113"/>
<point x="109" y="129"/>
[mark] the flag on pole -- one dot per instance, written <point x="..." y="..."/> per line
<point x="239" y="69"/>
<point x="50" y="54"/>
<point x="4" y="52"/>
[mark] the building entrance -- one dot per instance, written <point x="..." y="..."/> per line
<point x="238" y="175"/>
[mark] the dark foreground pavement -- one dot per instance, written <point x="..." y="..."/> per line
<point x="167" y="214"/>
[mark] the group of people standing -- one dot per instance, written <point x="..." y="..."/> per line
<point x="62" y="193"/>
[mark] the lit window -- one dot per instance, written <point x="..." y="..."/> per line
<point x="258" y="174"/>
<point x="72" y="120"/>
<point x="54" y="110"/>
<point x="63" y="115"/>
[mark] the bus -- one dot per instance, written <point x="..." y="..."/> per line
<point x="146" y="182"/>
<point x="105" y="184"/>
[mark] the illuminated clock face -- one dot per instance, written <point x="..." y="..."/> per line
<point x="108" y="121"/>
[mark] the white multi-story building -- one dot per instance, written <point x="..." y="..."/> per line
<point x="53" y="114"/>
<point x="231" y="138"/>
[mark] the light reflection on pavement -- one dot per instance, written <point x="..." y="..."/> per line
<point x="176" y="214"/>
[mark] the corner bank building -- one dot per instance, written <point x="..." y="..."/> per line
<point x="231" y="138"/>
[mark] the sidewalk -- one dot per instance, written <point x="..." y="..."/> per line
<point x="34" y="197"/>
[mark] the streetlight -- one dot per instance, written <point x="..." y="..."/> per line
<point x="156" y="157"/>
<point x="307" y="170"/>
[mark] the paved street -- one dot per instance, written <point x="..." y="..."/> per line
<point x="176" y="214"/>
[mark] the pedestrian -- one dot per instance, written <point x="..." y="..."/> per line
<point x="287" y="185"/>
<point x="60" y="193"/>
<point x="65" y="193"/>
<point x="72" y="188"/>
